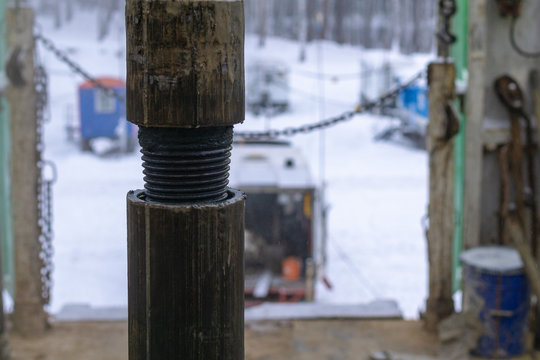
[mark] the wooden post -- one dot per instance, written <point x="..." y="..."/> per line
<point x="441" y="193"/>
<point x="474" y="126"/>
<point x="185" y="90"/>
<point x="29" y="317"/>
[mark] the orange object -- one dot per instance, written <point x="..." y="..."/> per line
<point x="106" y="81"/>
<point x="291" y="268"/>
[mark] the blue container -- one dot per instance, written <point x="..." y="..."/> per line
<point x="102" y="115"/>
<point x="415" y="99"/>
<point x="496" y="290"/>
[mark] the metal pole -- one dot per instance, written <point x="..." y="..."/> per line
<point x="185" y="91"/>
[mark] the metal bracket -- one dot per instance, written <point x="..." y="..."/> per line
<point x="15" y="67"/>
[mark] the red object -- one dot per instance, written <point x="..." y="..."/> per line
<point x="108" y="82"/>
<point x="291" y="268"/>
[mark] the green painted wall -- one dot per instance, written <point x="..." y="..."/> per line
<point x="459" y="54"/>
<point x="6" y="231"/>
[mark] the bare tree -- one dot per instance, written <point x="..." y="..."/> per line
<point x="69" y="10"/>
<point x="404" y="24"/>
<point x="106" y="11"/>
<point x="406" y="42"/>
<point x="325" y="11"/>
<point x="368" y="7"/>
<point x="311" y="16"/>
<point x="262" y="16"/>
<point x="303" y="28"/>
<point x="339" y="14"/>
<point x="57" y="15"/>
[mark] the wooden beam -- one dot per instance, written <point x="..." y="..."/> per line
<point x="29" y="317"/>
<point x="474" y="131"/>
<point x="519" y="239"/>
<point x="441" y="192"/>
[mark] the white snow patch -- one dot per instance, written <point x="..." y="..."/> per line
<point x="376" y="191"/>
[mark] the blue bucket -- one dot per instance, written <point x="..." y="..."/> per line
<point x="496" y="290"/>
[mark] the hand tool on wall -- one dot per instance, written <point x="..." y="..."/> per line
<point x="513" y="220"/>
<point x="534" y="82"/>
<point x="511" y="96"/>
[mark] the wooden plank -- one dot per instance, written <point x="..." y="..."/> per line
<point x="474" y="110"/>
<point x="29" y="317"/>
<point x="534" y="80"/>
<point x="379" y="309"/>
<point x="519" y="240"/>
<point x="441" y="194"/>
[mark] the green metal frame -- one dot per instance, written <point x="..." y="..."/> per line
<point x="459" y="53"/>
<point x="6" y="223"/>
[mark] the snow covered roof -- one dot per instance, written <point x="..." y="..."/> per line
<point x="270" y="164"/>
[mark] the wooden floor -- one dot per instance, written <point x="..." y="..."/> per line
<point x="74" y="341"/>
<point x="336" y="340"/>
<point x="332" y="340"/>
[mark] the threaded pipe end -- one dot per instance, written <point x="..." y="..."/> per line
<point x="186" y="165"/>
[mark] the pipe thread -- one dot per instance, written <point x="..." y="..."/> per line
<point x="186" y="165"/>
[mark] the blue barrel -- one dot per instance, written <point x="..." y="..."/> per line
<point x="496" y="290"/>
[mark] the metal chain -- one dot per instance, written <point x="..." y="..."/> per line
<point x="49" y="45"/>
<point x="44" y="188"/>
<point x="447" y="9"/>
<point x="291" y="131"/>
<point x="305" y="129"/>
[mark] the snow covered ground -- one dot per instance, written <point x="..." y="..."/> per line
<point x="376" y="191"/>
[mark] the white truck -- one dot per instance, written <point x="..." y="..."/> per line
<point x="284" y="246"/>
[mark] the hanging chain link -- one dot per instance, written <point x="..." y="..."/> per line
<point x="305" y="129"/>
<point x="447" y="10"/>
<point x="44" y="188"/>
<point x="49" y="45"/>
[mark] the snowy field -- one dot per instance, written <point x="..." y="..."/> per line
<point x="376" y="191"/>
